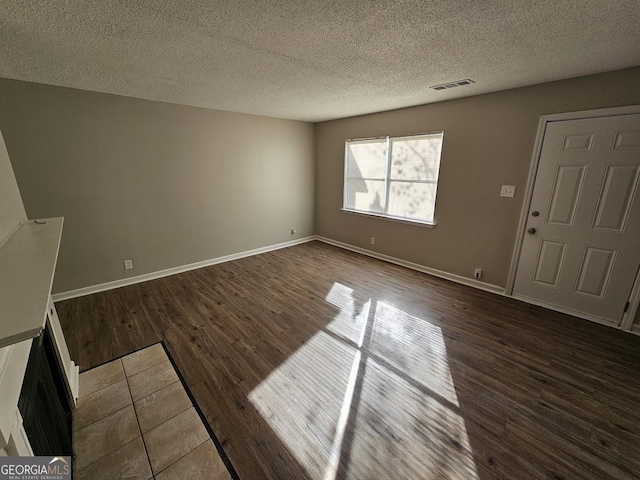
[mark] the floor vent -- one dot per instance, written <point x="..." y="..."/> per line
<point x="457" y="83"/>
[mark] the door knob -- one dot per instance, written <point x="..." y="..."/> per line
<point x="535" y="213"/>
<point x="531" y="231"/>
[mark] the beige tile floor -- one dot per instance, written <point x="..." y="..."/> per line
<point x="134" y="420"/>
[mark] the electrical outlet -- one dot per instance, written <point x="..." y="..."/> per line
<point x="293" y="230"/>
<point x="477" y="273"/>
<point x="508" y="191"/>
<point x="373" y="240"/>
<point x="128" y="264"/>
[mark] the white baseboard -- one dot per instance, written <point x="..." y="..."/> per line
<point x="471" y="282"/>
<point x="80" y="292"/>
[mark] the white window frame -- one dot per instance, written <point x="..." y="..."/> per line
<point x="387" y="180"/>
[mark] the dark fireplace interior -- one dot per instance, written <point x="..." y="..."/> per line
<point x="45" y="403"/>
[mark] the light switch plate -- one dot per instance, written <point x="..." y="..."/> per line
<point x="508" y="191"/>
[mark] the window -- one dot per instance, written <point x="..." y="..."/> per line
<point x="393" y="177"/>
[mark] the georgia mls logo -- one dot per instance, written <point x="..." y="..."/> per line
<point x="35" y="468"/>
<point x="61" y="463"/>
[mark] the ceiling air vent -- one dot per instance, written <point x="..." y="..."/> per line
<point x="457" y="83"/>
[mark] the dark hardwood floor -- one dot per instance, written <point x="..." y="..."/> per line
<point x="314" y="362"/>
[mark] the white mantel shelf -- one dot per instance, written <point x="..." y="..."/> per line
<point x="27" y="264"/>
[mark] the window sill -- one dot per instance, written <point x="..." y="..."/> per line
<point x="393" y="219"/>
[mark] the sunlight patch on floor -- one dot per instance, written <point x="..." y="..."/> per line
<point x="336" y="450"/>
<point x="351" y="319"/>
<point x="302" y="399"/>
<point x="375" y="402"/>
<point x="402" y="433"/>
<point x="414" y="346"/>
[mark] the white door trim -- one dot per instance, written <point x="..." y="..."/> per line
<point x="629" y="316"/>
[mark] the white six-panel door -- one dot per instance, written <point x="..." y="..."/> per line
<point x="581" y="251"/>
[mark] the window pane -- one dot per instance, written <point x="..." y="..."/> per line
<point x="367" y="159"/>
<point x="365" y="195"/>
<point x="416" y="158"/>
<point x="412" y="200"/>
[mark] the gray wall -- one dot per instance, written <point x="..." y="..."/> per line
<point x="161" y="184"/>
<point x="11" y="209"/>
<point x="488" y="142"/>
<point x="168" y="185"/>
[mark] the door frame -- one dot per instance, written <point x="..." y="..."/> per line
<point x="634" y="301"/>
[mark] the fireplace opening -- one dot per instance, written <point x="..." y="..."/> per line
<point x="45" y="402"/>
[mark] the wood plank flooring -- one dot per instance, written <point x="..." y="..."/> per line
<point x="315" y="362"/>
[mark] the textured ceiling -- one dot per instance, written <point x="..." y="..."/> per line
<point x="312" y="60"/>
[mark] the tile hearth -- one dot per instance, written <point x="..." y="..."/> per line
<point x="135" y="420"/>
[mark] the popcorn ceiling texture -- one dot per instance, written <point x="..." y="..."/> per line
<point x="312" y="60"/>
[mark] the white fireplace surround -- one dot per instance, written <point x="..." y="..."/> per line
<point x="28" y="254"/>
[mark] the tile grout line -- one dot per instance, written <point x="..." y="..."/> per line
<point x="159" y="342"/>
<point x="155" y="391"/>
<point x="110" y="453"/>
<point x="212" y="435"/>
<point x="105" y="386"/>
<point x="173" y="463"/>
<point x="165" y="359"/>
<point x="106" y="416"/>
<point x="132" y="405"/>
<point x="144" y="443"/>
<point x="167" y="420"/>
<point x="116" y="411"/>
<point x="135" y="412"/>
<point x="171" y="418"/>
<point x="118" y="448"/>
